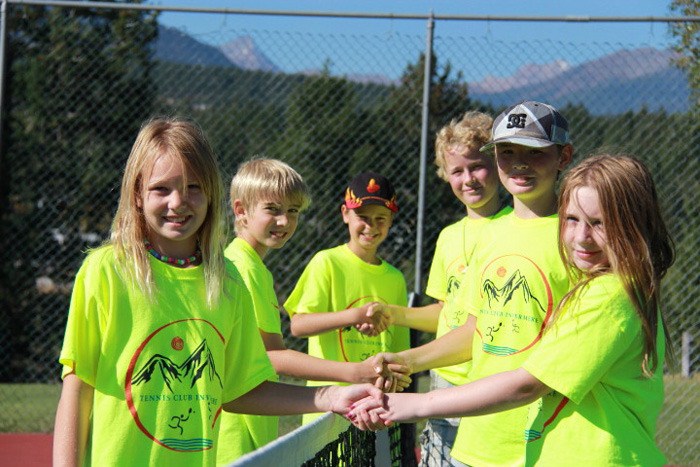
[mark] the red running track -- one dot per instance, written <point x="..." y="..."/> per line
<point x="25" y="449"/>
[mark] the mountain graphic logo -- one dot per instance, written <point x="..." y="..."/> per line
<point x="173" y="389"/>
<point x="515" y="286"/>
<point x="200" y="363"/>
<point x="516" y="301"/>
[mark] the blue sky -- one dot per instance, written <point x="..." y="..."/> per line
<point x="205" y="27"/>
<point x="655" y="34"/>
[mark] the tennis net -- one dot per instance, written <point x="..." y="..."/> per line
<point x="333" y="441"/>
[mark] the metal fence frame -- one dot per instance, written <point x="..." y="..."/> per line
<point x="430" y="19"/>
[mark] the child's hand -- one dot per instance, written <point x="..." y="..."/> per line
<point x="340" y="399"/>
<point x="369" y="414"/>
<point x="389" y="377"/>
<point x="373" y="319"/>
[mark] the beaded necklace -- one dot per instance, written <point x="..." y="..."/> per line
<point x="195" y="258"/>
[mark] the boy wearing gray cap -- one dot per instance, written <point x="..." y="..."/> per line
<point x="521" y="277"/>
<point x="514" y="281"/>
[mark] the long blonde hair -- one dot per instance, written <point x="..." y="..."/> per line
<point x="185" y="142"/>
<point x="639" y="247"/>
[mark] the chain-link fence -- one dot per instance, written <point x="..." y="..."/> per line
<point x="79" y="82"/>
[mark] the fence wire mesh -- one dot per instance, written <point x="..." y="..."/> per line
<point x="81" y="81"/>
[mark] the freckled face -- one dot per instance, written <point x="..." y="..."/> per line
<point x="269" y="224"/>
<point x="584" y="232"/>
<point x="368" y="226"/>
<point x="473" y="178"/>
<point x="174" y="207"/>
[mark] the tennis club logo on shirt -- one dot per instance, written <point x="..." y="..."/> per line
<point x="516" y="302"/>
<point x="169" y="385"/>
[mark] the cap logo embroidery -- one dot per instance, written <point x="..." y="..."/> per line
<point x="516" y="120"/>
<point x="372" y="186"/>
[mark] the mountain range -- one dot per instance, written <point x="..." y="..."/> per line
<point x="626" y="80"/>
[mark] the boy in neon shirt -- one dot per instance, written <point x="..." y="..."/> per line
<point x="473" y="178"/>
<point x="334" y="301"/>
<point x="267" y="198"/>
<point x="515" y="280"/>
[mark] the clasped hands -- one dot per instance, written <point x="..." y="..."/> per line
<point x="373" y="318"/>
<point x="370" y="413"/>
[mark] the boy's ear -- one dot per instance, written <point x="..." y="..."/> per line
<point x="238" y="209"/>
<point x="566" y="156"/>
<point x="344" y="211"/>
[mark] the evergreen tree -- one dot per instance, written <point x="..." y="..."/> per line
<point x="78" y="90"/>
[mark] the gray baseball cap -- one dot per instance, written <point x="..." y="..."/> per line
<point x="532" y="124"/>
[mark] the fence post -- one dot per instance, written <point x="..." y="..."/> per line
<point x="3" y="35"/>
<point x="686" y="344"/>
<point x="423" y="152"/>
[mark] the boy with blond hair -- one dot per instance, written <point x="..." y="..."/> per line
<point x="336" y="300"/>
<point x="267" y="198"/>
<point x="473" y="177"/>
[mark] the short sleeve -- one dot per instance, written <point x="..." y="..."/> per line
<point x="589" y="336"/>
<point x="437" y="281"/>
<point x="81" y="344"/>
<point x="311" y="293"/>
<point x="247" y="363"/>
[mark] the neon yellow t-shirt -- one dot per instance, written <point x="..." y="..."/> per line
<point x="336" y="279"/>
<point x="453" y="251"/>
<point x="242" y="433"/>
<point x="515" y="281"/>
<point x="160" y="368"/>
<point x="603" y="410"/>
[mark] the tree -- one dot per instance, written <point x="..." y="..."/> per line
<point x="688" y="35"/>
<point x="78" y="91"/>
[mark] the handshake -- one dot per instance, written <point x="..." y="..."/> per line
<point x="373" y="318"/>
<point x="391" y="376"/>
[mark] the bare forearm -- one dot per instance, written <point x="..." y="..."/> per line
<point x="278" y="399"/>
<point x="450" y="349"/>
<point x="495" y="393"/>
<point x="312" y="324"/>
<point x="300" y="365"/>
<point x="423" y="318"/>
<point x="72" y="426"/>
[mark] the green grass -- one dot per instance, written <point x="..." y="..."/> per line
<point x="678" y="428"/>
<point x="30" y="408"/>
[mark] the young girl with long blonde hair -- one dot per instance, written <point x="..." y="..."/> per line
<point x="161" y="336"/>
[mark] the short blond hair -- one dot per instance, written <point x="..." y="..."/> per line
<point x="262" y="178"/>
<point x="473" y="130"/>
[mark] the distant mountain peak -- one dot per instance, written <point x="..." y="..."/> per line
<point x="621" y="81"/>
<point x="244" y="53"/>
<point x="528" y="74"/>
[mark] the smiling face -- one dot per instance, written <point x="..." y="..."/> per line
<point x="583" y="232"/>
<point x="369" y="226"/>
<point x="174" y="207"/>
<point x="473" y="179"/>
<point x="530" y="174"/>
<point x="269" y="224"/>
